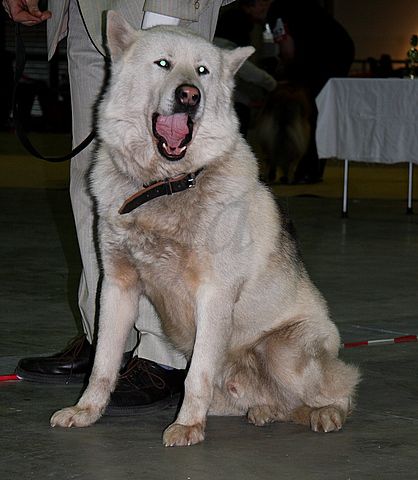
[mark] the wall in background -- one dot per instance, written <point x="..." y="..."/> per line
<point x="379" y="26"/>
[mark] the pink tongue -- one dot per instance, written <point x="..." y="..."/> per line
<point x="173" y="128"/>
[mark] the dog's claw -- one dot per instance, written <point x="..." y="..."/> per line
<point x="327" y="419"/>
<point x="262" y="415"/>
<point x="177" y="435"/>
<point x="74" y="417"/>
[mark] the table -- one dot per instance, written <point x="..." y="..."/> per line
<point x="372" y="120"/>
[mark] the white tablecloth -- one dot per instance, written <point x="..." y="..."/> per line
<point x="368" y="120"/>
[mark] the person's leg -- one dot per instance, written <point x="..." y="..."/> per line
<point x="86" y="68"/>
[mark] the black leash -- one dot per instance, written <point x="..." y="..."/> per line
<point x="20" y="132"/>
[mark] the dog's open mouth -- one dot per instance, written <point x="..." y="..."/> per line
<point x="173" y="134"/>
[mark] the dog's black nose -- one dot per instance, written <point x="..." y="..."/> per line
<point x="188" y="95"/>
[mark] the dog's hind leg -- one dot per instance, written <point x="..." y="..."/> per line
<point x="291" y="375"/>
<point x="322" y="385"/>
<point x="327" y="403"/>
<point x="119" y="308"/>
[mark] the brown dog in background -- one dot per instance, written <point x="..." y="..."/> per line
<point x="283" y="131"/>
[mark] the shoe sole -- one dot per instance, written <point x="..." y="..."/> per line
<point x="164" y="404"/>
<point x="73" y="379"/>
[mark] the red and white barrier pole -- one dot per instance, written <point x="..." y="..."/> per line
<point x="9" y="378"/>
<point x="382" y="341"/>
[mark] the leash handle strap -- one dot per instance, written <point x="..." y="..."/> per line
<point x="20" y="60"/>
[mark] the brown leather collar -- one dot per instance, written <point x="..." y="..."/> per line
<point x="157" y="189"/>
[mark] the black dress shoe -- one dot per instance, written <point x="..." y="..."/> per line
<point x="72" y="365"/>
<point x="145" y="387"/>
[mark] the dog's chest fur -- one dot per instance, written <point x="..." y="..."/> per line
<point x="161" y="247"/>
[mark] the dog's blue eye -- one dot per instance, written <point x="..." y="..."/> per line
<point x="202" y="70"/>
<point x="163" y="63"/>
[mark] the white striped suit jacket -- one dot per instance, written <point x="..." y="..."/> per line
<point x="198" y="15"/>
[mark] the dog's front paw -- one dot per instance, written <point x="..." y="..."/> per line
<point x="327" y="419"/>
<point x="177" y="435"/>
<point x="75" y="417"/>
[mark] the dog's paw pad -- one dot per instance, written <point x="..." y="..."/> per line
<point x="74" y="417"/>
<point x="327" y="419"/>
<point x="261" y="415"/>
<point x="177" y="435"/>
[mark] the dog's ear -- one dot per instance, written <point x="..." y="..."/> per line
<point x="237" y="57"/>
<point x="120" y="35"/>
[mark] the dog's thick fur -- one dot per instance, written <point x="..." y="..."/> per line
<point x="217" y="261"/>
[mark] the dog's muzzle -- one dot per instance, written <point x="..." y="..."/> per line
<point x="174" y="132"/>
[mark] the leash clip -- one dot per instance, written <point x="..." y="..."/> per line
<point x="191" y="180"/>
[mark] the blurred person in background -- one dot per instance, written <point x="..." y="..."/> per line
<point x="313" y="48"/>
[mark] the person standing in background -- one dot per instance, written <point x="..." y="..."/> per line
<point x="314" y="47"/>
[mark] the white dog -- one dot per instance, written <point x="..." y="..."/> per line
<point x="216" y="260"/>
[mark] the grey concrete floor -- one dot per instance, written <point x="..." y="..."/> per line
<point x="366" y="266"/>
